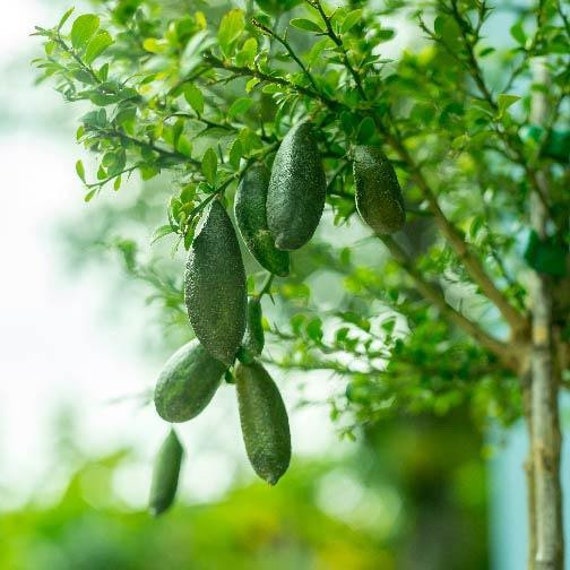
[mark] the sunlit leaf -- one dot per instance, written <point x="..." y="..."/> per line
<point x="97" y="45"/>
<point x="83" y="29"/>
<point x="231" y="27"/>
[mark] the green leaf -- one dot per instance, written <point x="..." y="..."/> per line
<point x="64" y="18"/>
<point x="97" y="45"/>
<point x="505" y="101"/>
<point x="307" y="25"/>
<point x="240" y="106"/>
<point x="558" y="146"/>
<point x="80" y="169"/>
<point x="194" y="97"/>
<point x="439" y="25"/>
<point x="385" y="34"/>
<point x="184" y="146"/>
<point x="366" y="131"/>
<point x="161" y="232"/>
<point x="351" y="20"/>
<point x="487" y="51"/>
<point x="236" y="152"/>
<point x="231" y="27"/>
<point x="546" y="256"/>
<point x="210" y="165"/>
<point x="247" y="53"/>
<point x="517" y="32"/>
<point x="83" y="29"/>
<point x="314" y="329"/>
<point x="89" y="196"/>
<point x="153" y="45"/>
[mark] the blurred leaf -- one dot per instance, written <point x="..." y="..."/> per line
<point x="239" y="107"/>
<point x="546" y="256"/>
<point x="80" y="169"/>
<point x="64" y="18"/>
<point x="194" y="97"/>
<point x="160" y="232"/>
<point x="304" y="24"/>
<point x="505" y="101"/>
<point x="247" y="53"/>
<point x="351" y="20"/>
<point x="518" y="33"/>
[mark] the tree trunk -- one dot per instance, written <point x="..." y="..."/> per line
<point x="544" y="419"/>
<point x="529" y="471"/>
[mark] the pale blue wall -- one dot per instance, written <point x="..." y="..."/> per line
<point x="508" y="540"/>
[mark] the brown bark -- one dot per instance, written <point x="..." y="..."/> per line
<point x="544" y="416"/>
<point x="529" y="471"/>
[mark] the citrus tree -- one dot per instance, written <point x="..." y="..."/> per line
<point x="453" y="151"/>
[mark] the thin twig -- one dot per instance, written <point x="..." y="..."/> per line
<point x="339" y="43"/>
<point x="435" y="295"/>
<point x="289" y="49"/>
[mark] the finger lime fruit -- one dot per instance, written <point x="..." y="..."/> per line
<point x="297" y="189"/>
<point x="165" y="474"/>
<point x="187" y="383"/>
<point x="254" y="338"/>
<point x="251" y="217"/>
<point x="379" y="199"/>
<point x="214" y="285"/>
<point x="264" y="422"/>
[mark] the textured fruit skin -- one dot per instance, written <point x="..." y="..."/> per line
<point x="251" y="217"/>
<point x="254" y="338"/>
<point x="297" y="189"/>
<point x="187" y="383"/>
<point x="379" y="199"/>
<point x="215" y="287"/>
<point x="264" y="422"/>
<point x="165" y="474"/>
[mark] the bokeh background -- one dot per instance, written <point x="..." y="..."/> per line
<point x="80" y="348"/>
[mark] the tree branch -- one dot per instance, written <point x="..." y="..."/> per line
<point x="339" y="43"/>
<point x="434" y="294"/>
<point x="452" y="235"/>
<point x="249" y="72"/>
<point x="290" y="51"/>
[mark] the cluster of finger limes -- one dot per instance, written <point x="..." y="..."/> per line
<point x="276" y="211"/>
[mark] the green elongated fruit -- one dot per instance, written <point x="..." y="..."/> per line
<point x="254" y="338"/>
<point x="165" y="474"/>
<point x="264" y="422"/>
<point x="251" y="217"/>
<point x="187" y="383"/>
<point x="297" y="189"/>
<point x="215" y="287"/>
<point x="379" y="199"/>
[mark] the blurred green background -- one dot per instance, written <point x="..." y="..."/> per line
<point x="408" y="494"/>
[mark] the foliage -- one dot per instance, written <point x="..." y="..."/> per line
<point x="436" y="316"/>
<point x="304" y="522"/>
